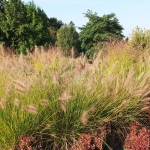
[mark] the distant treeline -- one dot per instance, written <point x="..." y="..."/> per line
<point x="24" y="25"/>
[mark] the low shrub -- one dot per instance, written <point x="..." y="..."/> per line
<point x="138" y="138"/>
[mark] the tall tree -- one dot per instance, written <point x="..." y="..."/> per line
<point x="99" y="29"/>
<point x="55" y="22"/>
<point x="67" y="37"/>
<point x="2" y="12"/>
<point x="23" y="26"/>
<point x="72" y="23"/>
<point x="1" y="6"/>
<point x="54" y="25"/>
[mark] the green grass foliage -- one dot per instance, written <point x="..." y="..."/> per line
<point x="55" y="98"/>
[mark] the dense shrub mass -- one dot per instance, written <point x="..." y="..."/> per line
<point x="48" y="101"/>
<point x="67" y="37"/>
<point x="23" y="26"/>
<point x="138" y="138"/>
<point x="140" y="38"/>
<point x="99" y="30"/>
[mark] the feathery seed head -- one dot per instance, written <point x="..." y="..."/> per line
<point x="2" y="105"/>
<point x="31" y="108"/>
<point x="44" y="102"/>
<point x="63" y="106"/>
<point x="83" y="118"/>
<point x="92" y="108"/>
<point x="20" y="86"/>
<point x="7" y="88"/>
<point x="16" y="102"/>
<point x="44" y="83"/>
<point x="65" y="96"/>
<point x="56" y="78"/>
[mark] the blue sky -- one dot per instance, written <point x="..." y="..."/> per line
<point x="131" y="13"/>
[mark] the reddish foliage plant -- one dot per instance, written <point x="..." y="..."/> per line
<point x="25" y="143"/>
<point x="138" y="138"/>
<point x="90" y="141"/>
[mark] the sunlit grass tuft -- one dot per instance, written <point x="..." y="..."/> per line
<point x="55" y="99"/>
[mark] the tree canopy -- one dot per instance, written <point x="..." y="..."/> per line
<point x="67" y="37"/>
<point x="1" y="6"/>
<point x="23" y="26"/>
<point x="54" y="25"/>
<point x="99" y="29"/>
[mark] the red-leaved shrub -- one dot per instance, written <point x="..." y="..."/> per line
<point x="138" y="138"/>
<point x="90" y="141"/>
